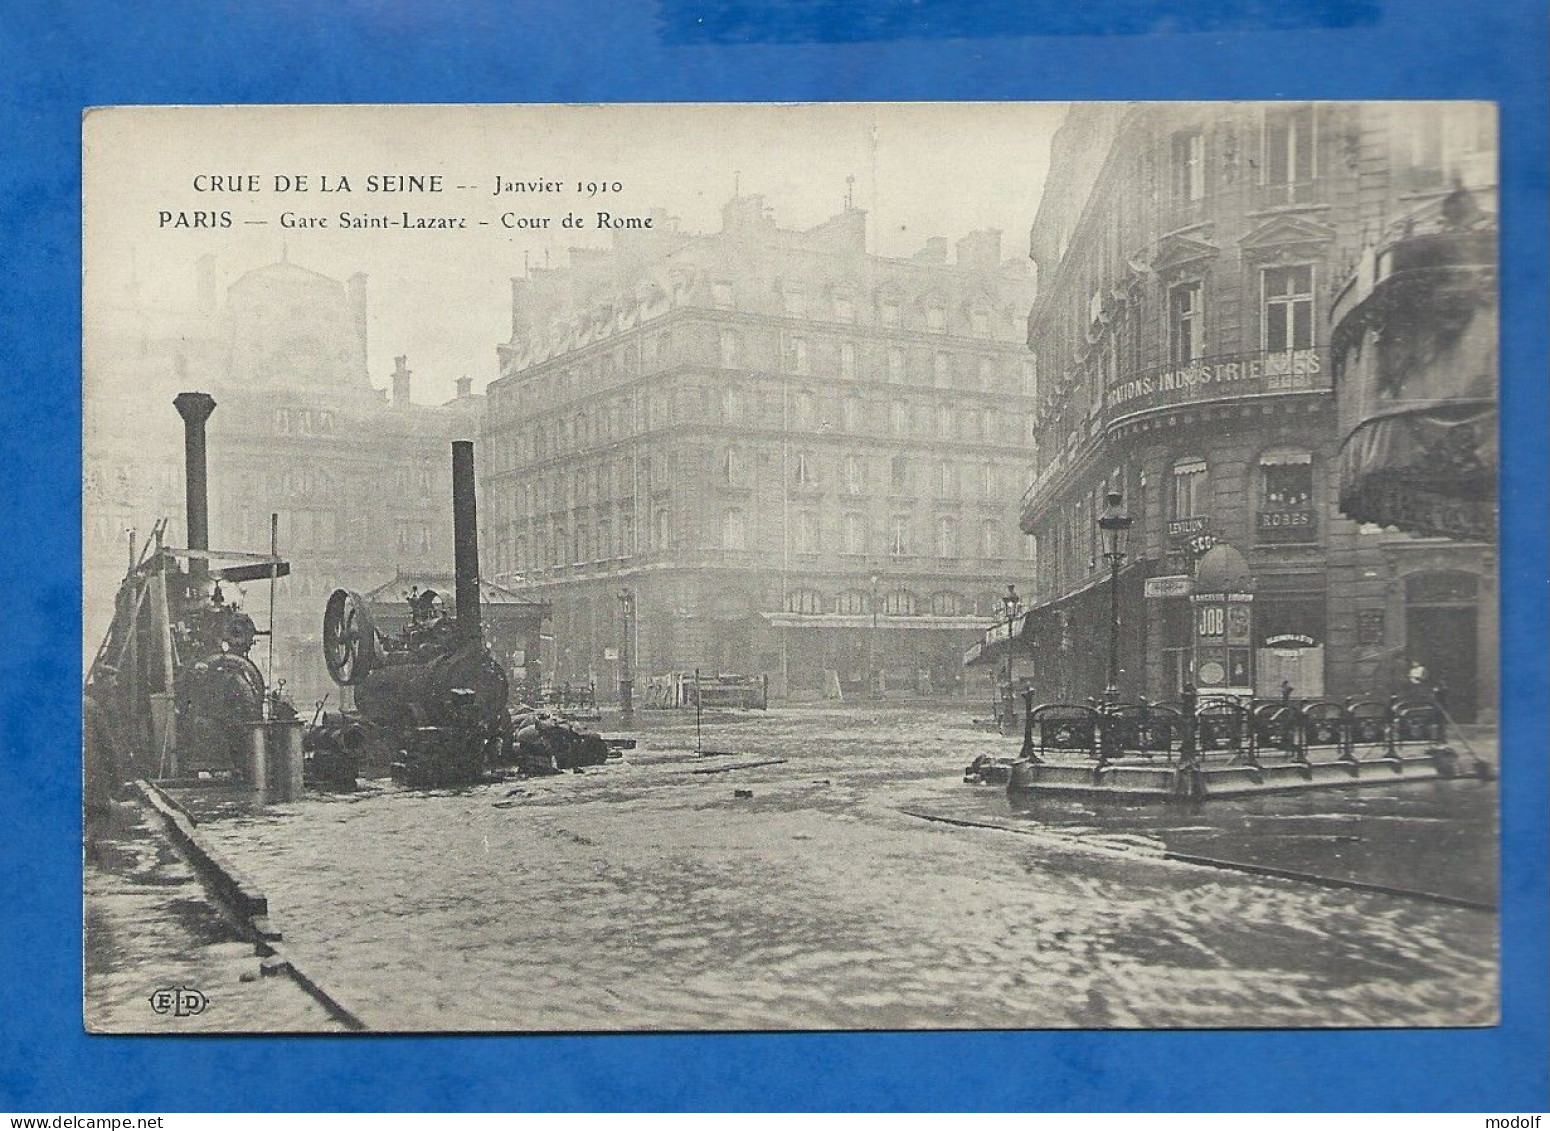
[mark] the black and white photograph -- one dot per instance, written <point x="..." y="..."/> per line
<point x="754" y="567"/>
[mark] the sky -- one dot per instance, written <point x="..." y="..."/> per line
<point x="443" y="296"/>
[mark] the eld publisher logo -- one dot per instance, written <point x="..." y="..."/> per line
<point x="180" y="1001"/>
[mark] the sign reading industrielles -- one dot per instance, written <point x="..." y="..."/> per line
<point x="1260" y="372"/>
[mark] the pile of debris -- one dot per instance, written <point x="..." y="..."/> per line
<point x="546" y="742"/>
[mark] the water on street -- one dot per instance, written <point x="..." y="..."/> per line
<point x="650" y="895"/>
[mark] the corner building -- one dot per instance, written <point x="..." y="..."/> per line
<point x="799" y="459"/>
<point x="1187" y="255"/>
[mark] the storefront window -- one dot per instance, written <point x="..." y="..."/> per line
<point x="1286" y="512"/>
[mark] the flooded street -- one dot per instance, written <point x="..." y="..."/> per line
<point x="648" y="894"/>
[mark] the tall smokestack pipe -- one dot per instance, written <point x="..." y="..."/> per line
<point x="465" y="539"/>
<point x="195" y="409"/>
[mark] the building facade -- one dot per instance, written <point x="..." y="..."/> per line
<point x="767" y="451"/>
<point x="360" y="480"/>
<point x="1182" y="335"/>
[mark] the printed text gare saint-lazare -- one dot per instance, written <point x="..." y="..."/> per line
<point x="436" y="199"/>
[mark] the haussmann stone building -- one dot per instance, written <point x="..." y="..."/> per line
<point x="764" y="451"/>
<point x="1188" y="259"/>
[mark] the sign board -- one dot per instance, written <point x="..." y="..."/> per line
<point x="1249" y="374"/>
<point x="1176" y="585"/>
<point x="610" y="653"/>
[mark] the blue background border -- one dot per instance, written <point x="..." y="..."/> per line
<point x="54" y="63"/>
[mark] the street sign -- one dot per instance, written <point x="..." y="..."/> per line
<point x="1177" y="585"/>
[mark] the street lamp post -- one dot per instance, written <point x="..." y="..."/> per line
<point x="1115" y="524"/>
<point x="871" y="646"/>
<point x="1013" y="604"/>
<point x="626" y="657"/>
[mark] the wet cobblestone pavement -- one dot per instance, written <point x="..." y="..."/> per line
<point x="649" y="895"/>
<point x="150" y="926"/>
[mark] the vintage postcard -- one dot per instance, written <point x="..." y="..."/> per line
<point x="770" y="567"/>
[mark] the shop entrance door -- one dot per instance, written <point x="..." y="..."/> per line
<point x="1440" y="628"/>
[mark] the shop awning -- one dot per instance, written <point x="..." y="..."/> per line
<point x="1429" y="471"/>
<point x="1415" y="351"/>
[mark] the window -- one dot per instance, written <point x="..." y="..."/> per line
<point x="1288" y="308"/>
<point x="941" y="370"/>
<point x="732" y="405"/>
<point x="988" y="483"/>
<point x="946" y="604"/>
<point x="848" y="360"/>
<point x="936" y="318"/>
<point x="798" y="357"/>
<point x="855" y="534"/>
<point x="896" y="365"/>
<point x="899" y="536"/>
<point x="806" y="408"/>
<point x="721" y="294"/>
<point x="844" y="308"/>
<point x="733" y="467"/>
<point x="974" y="424"/>
<point x="1289" y="156"/>
<point x="850" y="414"/>
<point x="855" y="475"/>
<point x="807" y="602"/>
<point x="852" y="602"/>
<point x="1031" y="377"/>
<point x="889" y="311"/>
<point x="1184" y="324"/>
<point x="1189" y="166"/>
<point x="946" y="480"/>
<point x="734" y="531"/>
<point x="979" y="320"/>
<point x="795" y="303"/>
<point x="1452" y="140"/>
<point x="1286" y="496"/>
<point x="804" y="473"/>
<point x="901" y="475"/>
<point x="990" y="539"/>
<point x="899" y="418"/>
<point x="731" y="344"/>
<point x="1189" y="488"/>
<point x="944" y="421"/>
<point x="899" y="603"/>
<point x="946" y="537"/>
<point x="807" y="532"/>
<point x="1286" y="479"/>
<point x="1031" y="552"/>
